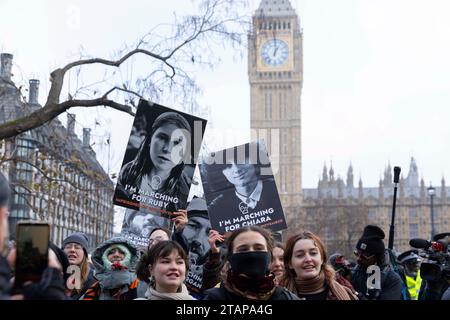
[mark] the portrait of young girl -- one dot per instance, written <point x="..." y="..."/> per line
<point x="158" y="177"/>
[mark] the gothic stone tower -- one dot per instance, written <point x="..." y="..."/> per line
<point x="275" y="69"/>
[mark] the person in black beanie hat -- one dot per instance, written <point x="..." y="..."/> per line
<point x="370" y="247"/>
<point x="370" y="250"/>
<point x="75" y="247"/>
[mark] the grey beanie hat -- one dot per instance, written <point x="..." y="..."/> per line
<point x="78" y="238"/>
<point x="197" y="208"/>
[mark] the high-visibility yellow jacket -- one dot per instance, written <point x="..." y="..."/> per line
<point x="413" y="285"/>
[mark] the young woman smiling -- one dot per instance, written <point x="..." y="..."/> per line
<point x="167" y="263"/>
<point x="307" y="273"/>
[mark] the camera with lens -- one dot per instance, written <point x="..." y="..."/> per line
<point x="436" y="257"/>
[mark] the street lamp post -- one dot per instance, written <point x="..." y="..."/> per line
<point x="431" y="193"/>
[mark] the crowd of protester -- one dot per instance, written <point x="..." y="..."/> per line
<point x="247" y="264"/>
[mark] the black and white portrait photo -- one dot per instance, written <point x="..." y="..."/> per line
<point x="138" y="225"/>
<point x="240" y="189"/>
<point x="196" y="232"/>
<point x="159" y="161"/>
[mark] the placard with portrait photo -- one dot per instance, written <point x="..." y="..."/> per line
<point x="240" y="189"/>
<point x="159" y="161"/>
<point x="138" y="225"/>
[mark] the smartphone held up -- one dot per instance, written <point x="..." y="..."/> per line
<point x="32" y="244"/>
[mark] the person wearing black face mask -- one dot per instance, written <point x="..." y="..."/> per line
<point x="247" y="275"/>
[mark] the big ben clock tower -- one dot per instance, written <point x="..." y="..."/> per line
<point x="275" y="70"/>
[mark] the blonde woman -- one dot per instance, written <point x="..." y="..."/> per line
<point x="75" y="247"/>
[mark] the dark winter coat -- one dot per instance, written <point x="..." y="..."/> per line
<point x="5" y="276"/>
<point x="89" y="282"/>
<point x="223" y="294"/>
<point x="391" y="283"/>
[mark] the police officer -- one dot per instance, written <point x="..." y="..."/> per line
<point x="410" y="262"/>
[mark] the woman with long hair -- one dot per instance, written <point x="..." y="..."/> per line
<point x="307" y="273"/>
<point x="75" y="247"/>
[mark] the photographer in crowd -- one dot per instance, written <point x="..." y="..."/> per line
<point x="435" y="270"/>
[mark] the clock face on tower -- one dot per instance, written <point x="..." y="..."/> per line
<point x="274" y="52"/>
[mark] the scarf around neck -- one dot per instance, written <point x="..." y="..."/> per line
<point x="115" y="279"/>
<point x="183" y="294"/>
<point x="261" y="288"/>
<point x="335" y="290"/>
<point x="310" y="286"/>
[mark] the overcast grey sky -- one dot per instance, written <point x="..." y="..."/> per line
<point x="376" y="76"/>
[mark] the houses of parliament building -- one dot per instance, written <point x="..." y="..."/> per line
<point x="336" y="210"/>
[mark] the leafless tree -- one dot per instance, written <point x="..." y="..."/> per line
<point x="338" y="222"/>
<point x="166" y="60"/>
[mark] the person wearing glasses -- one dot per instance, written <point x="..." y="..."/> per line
<point x="370" y="251"/>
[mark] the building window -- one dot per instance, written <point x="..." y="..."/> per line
<point x="284" y="142"/>
<point x="283" y="179"/>
<point x="268" y="105"/>
<point x="372" y="215"/>
<point x="412" y="213"/>
<point x="436" y="213"/>
<point x="280" y="101"/>
<point x="413" y="230"/>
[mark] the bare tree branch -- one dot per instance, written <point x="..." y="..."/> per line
<point x="45" y="175"/>
<point x="122" y="89"/>
<point x="216" y="20"/>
